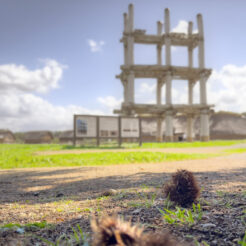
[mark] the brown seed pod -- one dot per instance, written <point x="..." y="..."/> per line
<point x="183" y="188"/>
<point x="115" y="232"/>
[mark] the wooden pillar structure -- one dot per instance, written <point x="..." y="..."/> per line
<point x="164" y="74"/>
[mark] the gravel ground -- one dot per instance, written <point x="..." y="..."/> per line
<point x="65" y="197"/>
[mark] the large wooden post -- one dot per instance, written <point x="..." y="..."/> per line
<point x="167" y="37"/>
<point x="159" y="46"/>
<point x="169" y="126"/>
<point x="204" y="130"/>
<point x="130" y="54"/>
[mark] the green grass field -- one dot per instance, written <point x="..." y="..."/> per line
<point x="196" y="144"/>
<point x="23" y="155"/>
<point x="193" y="144"/>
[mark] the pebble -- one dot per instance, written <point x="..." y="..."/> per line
<point x="20" y="230"/>
<point x="36" y="193"/>
<point x="137" y="211"/>
<point x="59" y="194"/>
<point x="208" y="225"/>
<point x="110" y="192"/>
<point x="214" y="242"/>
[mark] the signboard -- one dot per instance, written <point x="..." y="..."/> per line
<point x="108" y="127"/>
<point x="130" y="127"/>
<point x="86" y="126"/>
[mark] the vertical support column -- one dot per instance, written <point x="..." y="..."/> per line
<point x="201" y="42"/>
<point x="204" y="131"/>
<point x="203" y="79"/>
<point x="130" y="37"/>
<point x="130" y="56"/>
<point x="167" y="37"/>
<point x="125" y="42"/>
<point x="169" y="126"/>
<point x="130" y="87"/>
<point x="159" y="46"/>
<point x="189" y="128"/>
<point x="159" y="136"/>
<point x="189" y="134"/>
<point x="124" y="83"/>
<point x="190" y="91"/>
<point x="168" y="81"/>
<point x="158" y="91"/>
<point x="203" y="89"/>
<point x="190" y="48"/>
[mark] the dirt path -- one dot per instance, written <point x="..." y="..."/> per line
<point x="18" y="182"/>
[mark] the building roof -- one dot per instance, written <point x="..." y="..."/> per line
<point x="66" y="134"/>
<point x="38" y="135"/>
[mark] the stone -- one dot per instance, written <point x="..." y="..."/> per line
<point x="60" y="194"/>
<point x="208" y="225"/>
<point x="36" y="193"/>
<point x="110" y="192"/>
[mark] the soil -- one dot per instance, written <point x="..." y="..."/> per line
<point x="65" y="197"/>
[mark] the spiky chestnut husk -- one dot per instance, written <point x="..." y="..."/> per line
<point x="112" y="231"/>
<point x="183" y="188"/>
<point x="158" y="239"/>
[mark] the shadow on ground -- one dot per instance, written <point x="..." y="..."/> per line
<point x="55" y="185"/>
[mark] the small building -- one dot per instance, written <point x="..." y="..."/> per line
<point x="6" y="136"/>
<point x="66" y="137"/>
<point x="38" y="137"/>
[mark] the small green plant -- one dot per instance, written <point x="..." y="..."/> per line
<point x="41" y="225"/>
<point x="243" y="242"/>
<point x="150" y="202"/>
<point x="203" y="243"/>
<point x="168" y="203"/>
<point x="77" y="238"/>
<point x="243" y="218"/>
<point x="197" y="210"/>
<point x="182" y="216"/>
<point x="134" y="204"/>
<point x="220" y="193"/>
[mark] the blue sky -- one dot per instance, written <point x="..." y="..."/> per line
<point x="60" y="57"/>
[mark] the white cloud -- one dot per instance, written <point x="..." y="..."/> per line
<point x="95" y="46"/>
<point x="182" y="27"/>
<point x="21" y="110"/>
<point x="147" y="88"/>
<point x="19" y="78"/>
<point x="25" y="111"/>
<point x="110" y="103"/>
<point x="227" y="88"/>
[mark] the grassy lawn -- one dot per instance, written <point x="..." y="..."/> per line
<point x="23" y="155"/>
<point x="197" y="144"/>
<point x="193" y="144"/>
<point x="236" y="151"/>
